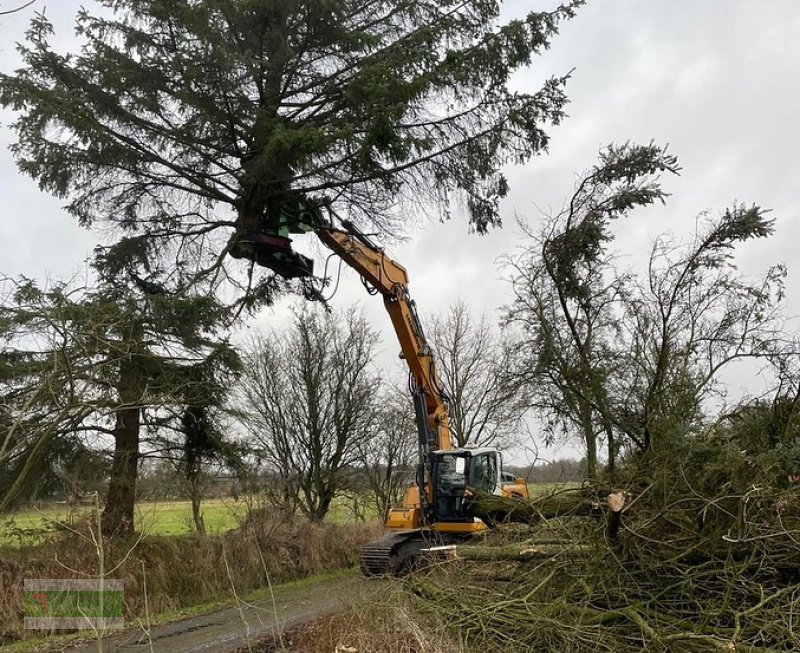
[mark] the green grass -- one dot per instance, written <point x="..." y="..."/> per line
<point x="540" y="489"/>
<point x="175" y="517"/>
<point x="343" y="510"/>
<point x="31" y="526"/>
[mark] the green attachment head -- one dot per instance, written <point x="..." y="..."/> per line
<point x="299" y="216"/>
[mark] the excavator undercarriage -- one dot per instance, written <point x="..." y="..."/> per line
<point x="396" y="553"/>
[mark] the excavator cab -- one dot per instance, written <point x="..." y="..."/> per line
<point x="455" y="471"/>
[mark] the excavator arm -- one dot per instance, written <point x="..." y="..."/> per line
<point x="390" y="279"/>
<point x="385" y="276"/>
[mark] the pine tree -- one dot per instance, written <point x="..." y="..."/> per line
<point x="181" y="122"/>
<point x="78" y="365"/>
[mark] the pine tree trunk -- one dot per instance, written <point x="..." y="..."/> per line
<point x="117" y="520"/>
<point x="268" y="176"/>
<point x="495" y="509"/>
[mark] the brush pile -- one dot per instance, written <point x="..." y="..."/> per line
<point x="706" y="557"/>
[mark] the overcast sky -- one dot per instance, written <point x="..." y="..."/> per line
<point x="719" y="80"/>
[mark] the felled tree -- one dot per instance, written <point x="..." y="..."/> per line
<point x="181" y="121"/>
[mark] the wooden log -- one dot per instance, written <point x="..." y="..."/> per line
<point x="518" y="552"/>
<point x="495" y="509"/>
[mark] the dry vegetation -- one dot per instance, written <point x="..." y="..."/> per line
<point x="182" y="571"/>
<point x="687" y="572"/>
<point x="690" y="570"/>
<point x="387" y="625"/>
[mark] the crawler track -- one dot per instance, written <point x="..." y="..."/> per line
<point x="383" y="557"/>
<point x="397" y="553"/>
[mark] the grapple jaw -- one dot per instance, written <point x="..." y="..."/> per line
<point x="272" y="248"/>
<point x="273" y="252"/>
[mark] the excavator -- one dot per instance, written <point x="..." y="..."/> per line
<point x="435" y="509"/>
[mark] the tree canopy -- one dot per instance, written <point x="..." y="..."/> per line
<point x="181" y="122"/>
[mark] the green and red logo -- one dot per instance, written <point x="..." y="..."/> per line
<point x="51" y="603"/>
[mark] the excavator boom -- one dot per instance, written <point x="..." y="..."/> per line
<point x="390" y="279"/>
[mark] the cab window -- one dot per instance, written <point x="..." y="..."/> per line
<point x="484" y="472"/>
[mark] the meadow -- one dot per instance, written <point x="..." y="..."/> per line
<point x="32" y="525"/>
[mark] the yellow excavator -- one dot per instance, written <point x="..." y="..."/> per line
<point x="435" y="509"/>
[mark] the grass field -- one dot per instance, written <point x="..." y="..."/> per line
<point x="31" y="526"/>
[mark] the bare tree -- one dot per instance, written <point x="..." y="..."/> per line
<point x="388" y="459"/>
<point x="200" y="451"/>
<point x="310" y="397"/>
<point x="485" y="406"/>
<point x="547" y="359"/>
<point x="629" y="358"/>
<point x="693" y="316"/>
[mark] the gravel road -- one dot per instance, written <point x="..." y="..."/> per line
<point x="231" y="628"/>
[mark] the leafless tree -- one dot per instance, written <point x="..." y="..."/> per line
<point x="485" y="402"/>
<point x="194" y="449"/>
<point x="387" y="460"/>
<point x="551" y="360"/>
<point x="566" y="296"/>
<point x="692" y="316"/>
<point x="310" y="396"/>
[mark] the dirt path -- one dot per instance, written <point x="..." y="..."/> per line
<point x="231" y="628"/>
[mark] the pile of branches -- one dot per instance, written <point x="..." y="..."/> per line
<point x="683" y="569"/>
